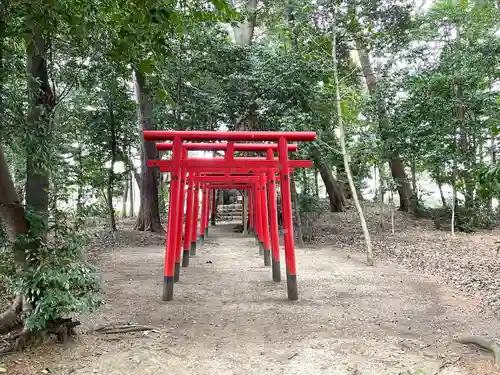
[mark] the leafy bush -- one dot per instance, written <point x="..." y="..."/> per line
<point x="310" y="209"/>
<point x="56" y="280"/>
<point x="466" y="219"/>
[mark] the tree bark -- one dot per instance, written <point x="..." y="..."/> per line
<point x="453" y="192"/>
<point x="381" y="195"/>
<point x="366" y="234"/>
<point x="305" y="181"/>
<point x="316" y="183"/>
<point x="111" y="173"/>
<point x="131" y="212"/>
<point x="126" y="159"/>
<point x="245" y="212"/>
<point x="243" y="32"/>
<point x="493" y="161"/>
<point x="443" y="199"/>
<point x="148" y="218"/>
<point x="12" y="215"/>
<point x="42" y="102"/>
<point x="125" y="197"/>
<point x="292" y="26"/>
<point x="333" y="189"/>
<point x="465" y="147"/>
<point x="79" y="196"/>
<point x="243" y="35"/>
<point x="3" y="26"/>
<point x="395" y="162"/>
<point x="414" y="175"/>
<point x="12" y="212"/>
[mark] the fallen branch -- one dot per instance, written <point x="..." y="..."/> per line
<point x="293" y="356"/>
<point x="447" y="364"/>
<point x="109" y="330"/>
<point x="486" y="343"/>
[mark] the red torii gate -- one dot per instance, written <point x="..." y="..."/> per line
<point x="265" y="238"/>
<point x="180" y="164"/>
<point x="231" y="147"/>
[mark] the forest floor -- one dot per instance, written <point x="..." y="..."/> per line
<point x="228" y="317"/>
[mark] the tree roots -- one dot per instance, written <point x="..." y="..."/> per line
<point x="9" y="319"/>
<point x="17" y="336"/>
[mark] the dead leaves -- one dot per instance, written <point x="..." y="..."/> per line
<point x="466" y="261"/>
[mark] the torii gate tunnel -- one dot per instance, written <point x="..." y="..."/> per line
<point x="256" y="175"/>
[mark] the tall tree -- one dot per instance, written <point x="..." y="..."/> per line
<point x="148" y="218"/>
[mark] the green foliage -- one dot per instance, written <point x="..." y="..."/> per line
<point x="310" y="209"/>
<point x="466" y="220"/>
<point x="447" y="109"/>
<point x="56" y="280"/>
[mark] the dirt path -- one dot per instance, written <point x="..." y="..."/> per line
<point x="228" y="317"/>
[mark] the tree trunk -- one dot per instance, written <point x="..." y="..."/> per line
<point x="243" y="32"/>
<point x="3" y="26"/>
<point x="162" y="202"/>
<point x="493" y="158"/>
<point x="305" y="181"/>
<point x="79" y="196"/>
<point x="453" y="194"/>
<point x="316" y="183"/>
<point x="131" y="212"/>
<point x="109" y="202"/>
<point x="111" y="173"/>
<point x="295" y="202"/>
<point x="414" y="175"/>
<point x="366" y="234"/>
<point x="125" y="197"/>
<point x="292" y="27"/>
<point x="440" y="187"/>
<point x="391" y="195"/>
<point x="245" y="212"/>
<point x="42" y="102"/>
<point x="465" y="147"/>
<point x="126" y="159"/>
<point x="12" y="215"/>
<point x="148" y="218"/>
<point x="381" y="195"/>
<point x="333" y="189"/>
<point x="395" y="162"/>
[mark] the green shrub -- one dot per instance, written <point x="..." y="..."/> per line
<point x="56" y="280"/>
<point x="466" y="219"/>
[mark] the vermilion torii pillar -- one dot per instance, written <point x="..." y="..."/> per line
<point x="261" y="211"/>
<point x="273" y="215"/>
<point x="261" y="233"/>
<point x="196" y="210"/>
<point x="261" y="229"/>
<point x="283" y="166"/>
